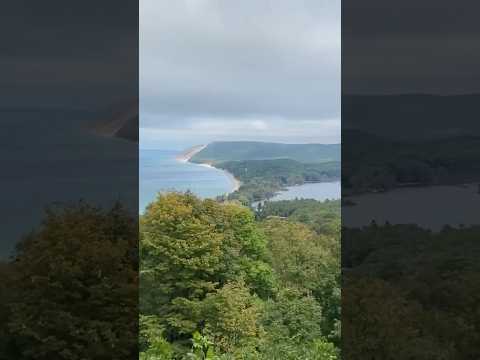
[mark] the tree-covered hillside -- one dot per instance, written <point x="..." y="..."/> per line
<point x="323" y="217"/>
<point x="285" y="171"/>
<point x="217" y="152"/>
<point x="410" y="293"/>
<point x="215" y="283"/>
<point x="261" y="179"/>
<point x="380" y="164"/>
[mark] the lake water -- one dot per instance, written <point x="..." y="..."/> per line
<point x="317" y="191"/>
<point x="69" y="163"/>
<point x="161" y="171"/>
<point x="430" y="207"/>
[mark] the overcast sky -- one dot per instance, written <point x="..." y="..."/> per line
<point x="239" y="70"/>
<point x="80" y="54"/>
<point x="411" y="46"/>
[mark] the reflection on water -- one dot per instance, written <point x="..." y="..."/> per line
<point x="431" y="207"/>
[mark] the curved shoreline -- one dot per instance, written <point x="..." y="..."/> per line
<point x="188" y="154"/>
<point x="235" y="182"/>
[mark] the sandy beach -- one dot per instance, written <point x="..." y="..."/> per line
<point x="235" y="182"/>
<point x="189" y="153"/>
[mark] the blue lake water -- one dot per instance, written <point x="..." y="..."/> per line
<point x="160" y="171"/>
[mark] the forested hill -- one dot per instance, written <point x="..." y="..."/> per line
<point x="217" y="152"/>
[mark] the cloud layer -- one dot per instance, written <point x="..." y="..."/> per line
<point x="256" y="69"/>
<point x="428" y="46"/>
<point x="81" y="54"/>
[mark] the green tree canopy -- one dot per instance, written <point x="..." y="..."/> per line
<point x="75" y="287"/>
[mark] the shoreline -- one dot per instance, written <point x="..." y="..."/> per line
<point x="235" y="182"/>
<point x="188" y="154"/>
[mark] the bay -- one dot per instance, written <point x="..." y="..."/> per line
<point x="160" y="171"/>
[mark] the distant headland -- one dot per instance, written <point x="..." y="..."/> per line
<point x="187" y="154"/>
<point x="259" y="170"/>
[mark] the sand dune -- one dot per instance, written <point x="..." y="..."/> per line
<point x="189" y="153"/>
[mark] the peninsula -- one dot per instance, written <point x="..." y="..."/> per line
<point x="186" y="155"/>
<point x="260" y="170"/>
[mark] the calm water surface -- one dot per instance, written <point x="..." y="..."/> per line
<point x="69" y="163"/>
<point x="160" y="171"/>
<point x="317" y="191"/>
<point x="454" y="205"/>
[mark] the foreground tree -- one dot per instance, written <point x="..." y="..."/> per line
<point x="309" y="262"/>
<point x="75" y="287"/>
<point x="217" y="285"/>
<point x="232" y="319"/>
<point x="191" y="248"/>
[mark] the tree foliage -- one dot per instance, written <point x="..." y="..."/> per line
<point x="410" y="293"/>
<point x="73" y="293"/>
<point x="218" y="284"/>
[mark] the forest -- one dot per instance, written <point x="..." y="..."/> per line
<point x="220" y="151"/>
<point x="262" y="179"/>
<point x="70" y="290"/>
<point x="218" y="281"/>
<point x="410" y="293"/>
<point x="378" y="163"/>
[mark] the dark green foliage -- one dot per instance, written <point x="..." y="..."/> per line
<point x="323" y="217"/>
<point x="409" y="163"/>
<point x="284" y="171"/>
<point x="266" y="168"/>
<point x="409" y="293"/>
<point x="310" y="263"/>
<point x="261" y="179"/>
<point x="73" y="289"/>
<point x="244" y="150"/>
<point x="191" y="249"/>
<point x="293" y="317"/>
<point x="232" y="318"/>
<point x="217" y="284"/>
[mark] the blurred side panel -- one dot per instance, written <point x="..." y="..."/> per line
<point x="69" y="180"/>
<point x="410" y="179"/>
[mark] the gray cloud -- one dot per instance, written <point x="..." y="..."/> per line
<point x="233" y="61"/>
<point x="428" y="46"/>
<point x="60" y="53"/>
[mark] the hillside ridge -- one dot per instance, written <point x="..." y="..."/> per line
<point x="220" y="151"/>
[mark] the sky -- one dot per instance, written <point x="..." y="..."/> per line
<point x="58" y="54"/>
<point x="428" y="46"/>
<point x="239" y="70"/>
